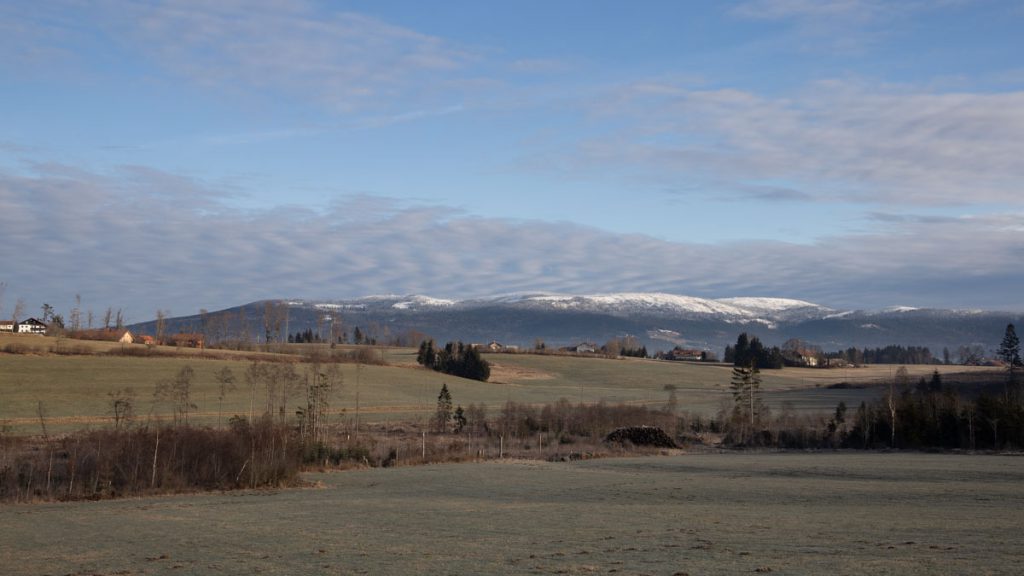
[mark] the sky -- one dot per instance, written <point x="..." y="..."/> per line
<point x="177" y="155"/>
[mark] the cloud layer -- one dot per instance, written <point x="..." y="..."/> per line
<point x="845" y="141"/>
<point x="143" y="240"/>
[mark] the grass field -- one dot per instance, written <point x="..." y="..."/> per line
<point x="73" y="390"/>
<point x="825" y="513"/>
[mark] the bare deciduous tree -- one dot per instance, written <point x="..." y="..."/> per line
<point x="225" y="383"/>
<point x="178" y="391"/>
<point x="76" y="314"/>
<point x="161" y="325"/>
<point x="19" y="310"/>
<point x="122" y="406"/>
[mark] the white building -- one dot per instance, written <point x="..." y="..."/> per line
<point x="30" y="326"/>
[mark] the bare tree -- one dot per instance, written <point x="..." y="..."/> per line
<point x="275" y="314"/>
<point x="161" y="326"/>
<point x="119" y="319"/>
<point x="320" y="385"/>
<point x="225" y="383"/>
<point x="106" y="318"/>
<point x="178" y="391"/>
<point x="243" y="328"/>
<point x="204" y="324"/>
<point x="337" y="329"/>
<point x="19" y="310"/>
<point x="122" y="406"/>
<point x="76" y="314"/>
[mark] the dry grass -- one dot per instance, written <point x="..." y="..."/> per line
<point x="74" y="389"/>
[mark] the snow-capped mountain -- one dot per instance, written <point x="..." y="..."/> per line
<point x="621" y="304"/>
<point x="657" y="319"/>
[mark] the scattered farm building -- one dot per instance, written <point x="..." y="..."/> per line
<point x="186" y="340"/>
<point x="104" y="334"/>
<point x="685" y="354"/>
<point x="30" y="326"/>
<point x="583" y="348"/>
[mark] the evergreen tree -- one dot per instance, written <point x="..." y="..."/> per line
<point x="1009" y="350"/>
<point x="459" y="419"/>
<point x="443" y="415"/>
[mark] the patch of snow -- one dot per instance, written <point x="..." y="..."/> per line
<point x="416" y="301"/>
<point x="871" y="326"/>
<point x="768" y="304"/>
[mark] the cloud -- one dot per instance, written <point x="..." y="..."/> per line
<point x="342" y="59"/>
<point x="142" y="240"/>
<point x="839" y="140"/>
<point x="810" y="9"/>
<point x="840" y="26"/>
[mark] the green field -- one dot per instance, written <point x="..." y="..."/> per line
<point x="73" y="390"/>
<point x="825" y="513"/>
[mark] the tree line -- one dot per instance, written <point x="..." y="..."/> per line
<point x="455" y="358"/>
<point x="750" y="352"/>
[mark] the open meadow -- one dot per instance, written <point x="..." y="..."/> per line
<point x="790" y="513"/>
<point x="74" y="391"/>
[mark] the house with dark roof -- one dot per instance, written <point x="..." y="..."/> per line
<point x="30" y="326"/>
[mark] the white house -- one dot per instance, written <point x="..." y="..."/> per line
<point x="30" y="326"/>
<point x="6" y="326"/>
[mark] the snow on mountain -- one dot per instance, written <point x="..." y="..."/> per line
<point x="417" y="301"/>
<point x="738" y="309"/>
<point x="743" y="309"/>
<point x="634" y="302"/>
<point x="771" y="305"/>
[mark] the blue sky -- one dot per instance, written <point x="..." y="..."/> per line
<point x="184" y="154"/>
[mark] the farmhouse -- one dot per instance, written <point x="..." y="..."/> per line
<point x="105" y="334"/>
<point x="6" y="326"/>
<point x="30" y="326"/>
<point x="584" y="348"/>
<point x="683" y="354"/>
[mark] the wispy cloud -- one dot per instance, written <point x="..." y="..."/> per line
<point x="308" y="51"/>
<point x="811" y="9"/>
<point x="342" y="59"/>
<point x="840" y="140"/>
<point x="143" y="239"/>
<point x="843" y="26"/>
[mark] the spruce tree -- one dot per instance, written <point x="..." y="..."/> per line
<point x="443" y="415"/>
<point x="1009" y="350"/>
<point x="459" y="418"/>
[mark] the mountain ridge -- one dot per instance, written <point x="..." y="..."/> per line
<point x="659" y="320"/>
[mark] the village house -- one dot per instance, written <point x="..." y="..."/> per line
<point x="683" y="354"/>
<point x="584" y="348"/>
<point x="104" y="334"/>
<point x="30" y="326"/>
<point x="6" y="326"/>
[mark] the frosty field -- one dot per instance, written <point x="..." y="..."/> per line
<point x="791" y="513"/>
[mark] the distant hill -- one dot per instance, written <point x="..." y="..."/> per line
<point x="659" y="321"/>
